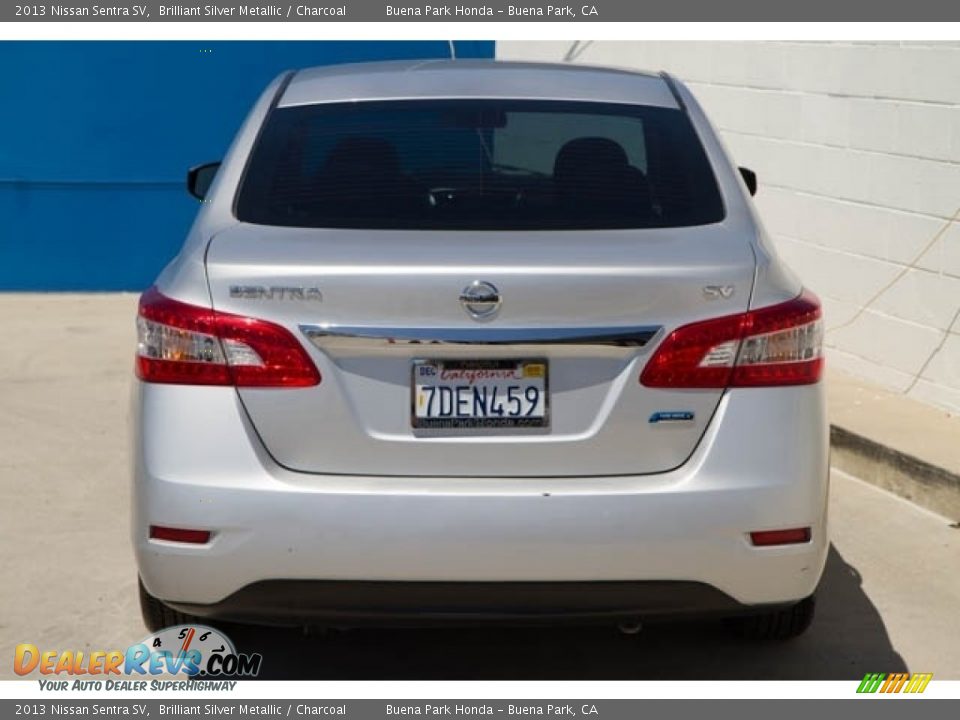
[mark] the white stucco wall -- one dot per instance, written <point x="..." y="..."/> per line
<point x="857" y="147"/>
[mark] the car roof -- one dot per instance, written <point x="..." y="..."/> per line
<point x="424" y="79"/>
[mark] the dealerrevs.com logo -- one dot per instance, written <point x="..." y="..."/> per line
<point x="182" y="651"/>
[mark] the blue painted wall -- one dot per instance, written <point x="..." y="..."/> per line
<point x="95" y="139"/>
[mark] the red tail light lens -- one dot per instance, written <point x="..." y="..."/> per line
<point x="189" y="345"/>
<point x="777" y="345"/>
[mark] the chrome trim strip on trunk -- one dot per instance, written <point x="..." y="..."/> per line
<point x="616" y="336"/>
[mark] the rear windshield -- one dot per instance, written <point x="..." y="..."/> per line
<point x="479" y="165"/>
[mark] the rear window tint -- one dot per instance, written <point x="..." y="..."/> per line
<point x="479" y="165"/>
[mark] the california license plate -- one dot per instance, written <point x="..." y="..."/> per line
<point x="497" y="393"/>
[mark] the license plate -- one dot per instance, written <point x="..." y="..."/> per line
<point x="464" y="394"/>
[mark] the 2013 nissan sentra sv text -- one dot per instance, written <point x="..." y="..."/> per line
<point x="464" y="340"/>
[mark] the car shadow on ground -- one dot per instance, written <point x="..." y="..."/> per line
<point x="847" y="640"/>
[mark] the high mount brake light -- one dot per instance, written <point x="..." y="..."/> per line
<point x="190" y="345"/>
<point x="777" y="345"/>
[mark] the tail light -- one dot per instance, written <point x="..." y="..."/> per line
<point x="189" y="345"/>
<point x="777" y="345"/>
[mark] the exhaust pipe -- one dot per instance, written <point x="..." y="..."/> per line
<point x="630" y="627"/>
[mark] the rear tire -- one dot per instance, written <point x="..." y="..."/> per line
<point x="157" y="616"/>
<point x="777" y="625"/>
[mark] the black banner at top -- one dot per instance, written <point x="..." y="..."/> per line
<point x="486" y="11"/>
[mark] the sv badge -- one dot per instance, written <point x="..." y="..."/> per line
<point x="719" y="292"/>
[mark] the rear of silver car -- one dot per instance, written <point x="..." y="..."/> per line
<point x="462" y="340"/>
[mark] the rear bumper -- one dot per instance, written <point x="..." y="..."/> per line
<point x="762" y="464"/>
<point x="306" y="602"/>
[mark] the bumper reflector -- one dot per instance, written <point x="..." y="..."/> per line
<point x="194" y="537"/>
<point x="793" y="536"/>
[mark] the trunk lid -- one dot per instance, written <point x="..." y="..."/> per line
<point x="368" y="304"/>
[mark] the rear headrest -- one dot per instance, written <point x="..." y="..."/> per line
<point x="589" y="155"/>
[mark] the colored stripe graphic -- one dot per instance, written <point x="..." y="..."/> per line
<point x="894" y="682"/>
<point x="918" y="682"/>
<point x="871" y="682"/>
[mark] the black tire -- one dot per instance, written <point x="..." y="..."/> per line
<point x="157" y="616"/>
<point x="777" y="625"/>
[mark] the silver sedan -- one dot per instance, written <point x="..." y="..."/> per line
<point x="456" y="341"/>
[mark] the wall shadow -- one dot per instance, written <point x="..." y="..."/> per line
<point x="847" y="640"/>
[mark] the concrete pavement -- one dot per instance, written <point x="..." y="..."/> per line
<point x="888" y="602"/>
<point x="896" y="421"/>
<point x="896" y="442"/>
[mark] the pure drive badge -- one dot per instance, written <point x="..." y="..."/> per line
<point x="662" y="416"/>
